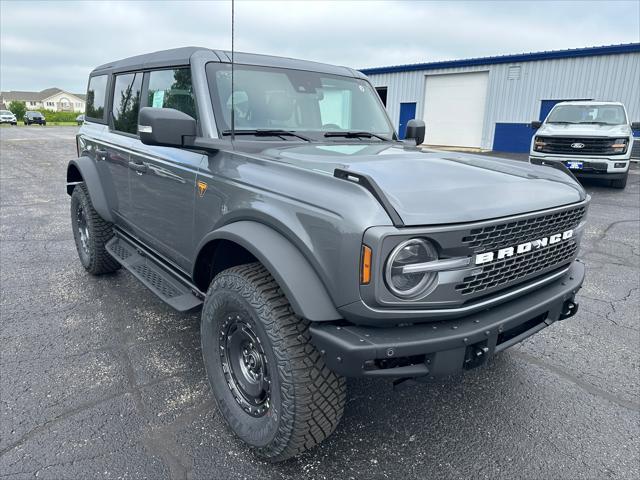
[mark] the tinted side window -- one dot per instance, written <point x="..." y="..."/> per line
<point x="172" y="89"/>
<point x="126" y="102"/>
<point x="96" y="95"/>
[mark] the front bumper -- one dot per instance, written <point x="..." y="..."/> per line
<point x="446" y="347"/>
<point x="610" y="167"/>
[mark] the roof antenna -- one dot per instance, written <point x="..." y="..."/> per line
<point x="233" y="109"/>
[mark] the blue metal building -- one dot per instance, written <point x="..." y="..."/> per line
<point x="488" y="103"/>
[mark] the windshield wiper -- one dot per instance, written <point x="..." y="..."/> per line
<point x="596" y="123"/>
<point x="353" y="134"/>
<point x="268" y="133"/>
<point x="564" y="123"/>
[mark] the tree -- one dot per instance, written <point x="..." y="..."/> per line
<point x="18" y="108"/>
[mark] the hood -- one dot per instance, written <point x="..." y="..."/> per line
<point x="587" y="130"/>
<point x="430" y="188"/>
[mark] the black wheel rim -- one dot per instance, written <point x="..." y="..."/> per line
<point x="83" y="229"/>
<point x="245" y="365"/>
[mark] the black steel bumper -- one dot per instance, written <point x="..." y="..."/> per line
<point x="446" y="347"/>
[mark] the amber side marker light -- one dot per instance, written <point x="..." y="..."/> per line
<point x="365" y="266"/>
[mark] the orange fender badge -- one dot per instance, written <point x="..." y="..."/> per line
<point x="202" y="187"/>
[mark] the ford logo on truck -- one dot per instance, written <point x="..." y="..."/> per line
<point x="503" y="253"/>
<point x="577" y="145"/>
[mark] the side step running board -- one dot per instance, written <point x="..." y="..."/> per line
<point x="155" y="277"/>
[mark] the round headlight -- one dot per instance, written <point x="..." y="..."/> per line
<point x="404" y="283"/>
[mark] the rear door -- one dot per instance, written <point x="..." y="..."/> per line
<point x="116" y="150"/>
<point x="163" y="179"/>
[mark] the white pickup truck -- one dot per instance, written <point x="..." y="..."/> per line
<point x="592" y="139"/>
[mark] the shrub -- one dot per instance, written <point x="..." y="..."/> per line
<point x="52" y="116"/>
<point x="17" y="108"/>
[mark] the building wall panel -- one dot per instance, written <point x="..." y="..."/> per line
<point x="602" y="77"/>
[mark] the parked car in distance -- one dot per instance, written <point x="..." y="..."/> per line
<point x="8" y="117"/>
<point x="316" y="243"/>
<point x="34" y="117"/>
<point x="592" y="139"/>
<point x="80" y="119"/>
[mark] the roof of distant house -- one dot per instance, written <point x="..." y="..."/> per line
<point x="24" y="96"/>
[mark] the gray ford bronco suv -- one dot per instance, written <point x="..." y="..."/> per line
<point x="276" y="195"/>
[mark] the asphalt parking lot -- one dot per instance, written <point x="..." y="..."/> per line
<point x="99" y="379"/>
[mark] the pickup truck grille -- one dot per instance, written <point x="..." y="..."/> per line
<point x="512" y="270"/>
<point x="590" y="145"/>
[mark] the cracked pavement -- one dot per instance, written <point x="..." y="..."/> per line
<point x="99" y="379"/>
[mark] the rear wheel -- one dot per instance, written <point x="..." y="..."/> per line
<point x="91" y="233"/>
<point x="270" y="383"/>
<point x="620" y="182"/>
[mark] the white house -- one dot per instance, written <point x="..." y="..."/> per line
<point x="54" y="99"/>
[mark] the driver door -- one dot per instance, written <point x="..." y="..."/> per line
<point x="163" y="179"/>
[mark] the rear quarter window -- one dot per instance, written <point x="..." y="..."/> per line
<point x="96" y="98"/>
<point x="127" y="95"/>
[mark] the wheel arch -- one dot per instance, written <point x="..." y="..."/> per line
<point x="255" y="241"/>
<point x="84" y="170"/>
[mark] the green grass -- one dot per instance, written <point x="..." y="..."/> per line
<point x="49" y="124"/>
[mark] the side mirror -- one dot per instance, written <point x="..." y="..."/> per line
<point x="635" y="126"/>
<point x="416" y="130"/>
<point x="165" y="126"/>
<point x="536" y="124"/>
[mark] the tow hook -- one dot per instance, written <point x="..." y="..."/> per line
<point x="569" y="309"/>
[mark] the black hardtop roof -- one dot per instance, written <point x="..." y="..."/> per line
<point x="182" y="56"/>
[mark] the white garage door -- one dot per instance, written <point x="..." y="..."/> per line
<point x="454" y="108"/>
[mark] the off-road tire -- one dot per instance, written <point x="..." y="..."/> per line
<point x="621" y="182"/>
<point x="307" y="399"/>
<point x="95" y="259"/>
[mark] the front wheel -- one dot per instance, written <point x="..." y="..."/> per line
<point x="621" y="182"/>
<point x="270" y="383"/>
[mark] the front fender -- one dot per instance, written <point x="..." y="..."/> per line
<point x="89" y="175"/>
<point x="297" y="278"/>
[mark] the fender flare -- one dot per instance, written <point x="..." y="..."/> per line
<point x="91" y="179"/>
<point x="297" y="278"/>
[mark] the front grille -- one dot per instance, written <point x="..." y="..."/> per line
<point x="590" y="145"/>
<point x="512" y="269"/>
<point x="508" y="234"/>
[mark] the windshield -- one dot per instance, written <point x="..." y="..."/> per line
<point x="599" y="114"/>
<point x="5" y="112"/>
<point x="311" y="103"/>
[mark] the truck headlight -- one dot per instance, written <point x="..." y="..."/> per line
<point x="398" y="275"/>
<point x="539" y="143"/>
<point x="620" y="145"/>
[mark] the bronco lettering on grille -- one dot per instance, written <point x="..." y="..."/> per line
<point x="487" y="257"/>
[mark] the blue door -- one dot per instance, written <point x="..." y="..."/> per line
<point x="407" y="112"/>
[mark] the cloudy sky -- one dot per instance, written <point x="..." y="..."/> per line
<point x="57" y="43"/>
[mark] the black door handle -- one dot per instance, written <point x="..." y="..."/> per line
<point x="140" y="168"/>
